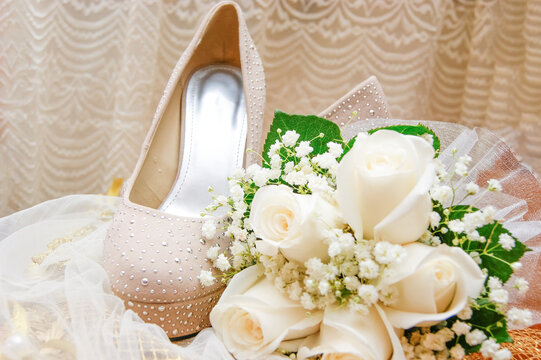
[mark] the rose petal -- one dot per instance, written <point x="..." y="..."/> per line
<point x="293" y="224"/>
<point x="417" y="295"/>
<point x="383" y="184"/>
<point x="410" y="219"/>
<point x="364" y="336"/>
<point x="348" y="193"/>
<point x="252" y="317"/>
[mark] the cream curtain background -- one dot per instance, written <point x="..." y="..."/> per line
<point x="79" y="80"/>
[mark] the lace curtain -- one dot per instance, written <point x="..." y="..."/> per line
<point x="79" y="80"/>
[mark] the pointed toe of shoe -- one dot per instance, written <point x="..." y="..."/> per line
<point x="153" y="260"/>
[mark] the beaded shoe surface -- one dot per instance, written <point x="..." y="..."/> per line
<point x="211" y="112"/>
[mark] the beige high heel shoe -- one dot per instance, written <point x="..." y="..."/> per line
<point x="210" y="113"/>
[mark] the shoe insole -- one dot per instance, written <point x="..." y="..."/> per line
<point x="214" y="137"/>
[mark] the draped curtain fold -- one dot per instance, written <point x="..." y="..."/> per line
<point x="79" y="80"/>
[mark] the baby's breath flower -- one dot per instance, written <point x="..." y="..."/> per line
<point x="494" y="283"/>
<point x="335" y="149"/>
<point x="489" y="347"/>
<point x="307" y="302"/>
<point x="368" y="269"/>
<point x="237" y="194"/>
<point x="521" y="285"/>
<point x="303" y="149"/>
<point x="288" y="167"/>
<point x="261" y="177"/>
<point x="461" y="169"/>
<point x="358" y="308"/>
<point x="473" y="221"/>
<point x="208" y="230"/>
<point x="388" y="295"/>
<point x="474" y="236"/>
<point x="456" y="226"/>
<point x="433" y="342"/>
<point x="325" y="161"/>
<point x="222" y="263"/>
<point x="489" y="213"/>
<point x="465" y="314"/>
<point x="435" y="219"/>
<point x="275" y="161"/>
<point x="476" y="257"/>
<point x="502" y="354"/>
<point x="519" y="317"/>
<point x="318" y="184"/>
<point x="239" y="233"/>
<point x="440" y="170"/>
<point x="213" y="252"/>
<point x="315" y="268"/>
<point x="516" y="266"/>
<point x="461" y="328"/>
<point x="386" y="253"/>
<point x="475" y="337"/>
<point x="457" y="352"/>
<point x="296" y="178"/>
<point x="435" y="241"/>
<point x="324" y="287"/>
<point x="206" y="278"/>
<point x="290" y="138"/>
<point x="464" y="159"/>
<point x="274" y="148"/>
<point x="351" y="282"/>
<point x="238" y="174"/>
<point x="507" y="242"/>
<point x="426" y="238"/>
<point x="472" y="188"/>
<point x="494" y="185"/>
<point x="446" y="333"/>
<point x="252" y="170"/>
<point x="441" y="193"/>
<point x="368" y="293"/>
<point x="500" y="296"/>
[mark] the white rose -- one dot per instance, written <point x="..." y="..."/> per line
<point x="348" y="336"/>
<point x="292" y="223"/>
<point x="252" y="317"/>
<point x="383" y="186"/>
<point x="433" y="284"/>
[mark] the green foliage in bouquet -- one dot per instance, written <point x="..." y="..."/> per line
<point x="492" y="256"/>
<point x="316" y="130"/>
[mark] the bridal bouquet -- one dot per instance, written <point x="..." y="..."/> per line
<point x="361" y="249"/>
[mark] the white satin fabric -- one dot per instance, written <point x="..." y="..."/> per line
<point x="57" y="304"/>
<point x="80" y="80"/>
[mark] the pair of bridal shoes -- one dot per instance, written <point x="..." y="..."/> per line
<point x="210" y="114"/>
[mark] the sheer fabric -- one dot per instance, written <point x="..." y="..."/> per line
<point x="55" y="301"/>
<point x="79" y="80"/>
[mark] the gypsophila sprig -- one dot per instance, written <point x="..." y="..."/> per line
<point x="365" y="249"/>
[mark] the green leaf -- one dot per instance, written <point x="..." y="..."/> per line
<point x="416" y="130"/>
<point x="347" y="147"/>
<point x="493" y="257"/>
<point x="496" y="259"/>
<point x="488" y="318"/>
<point x="309" y="127"/>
